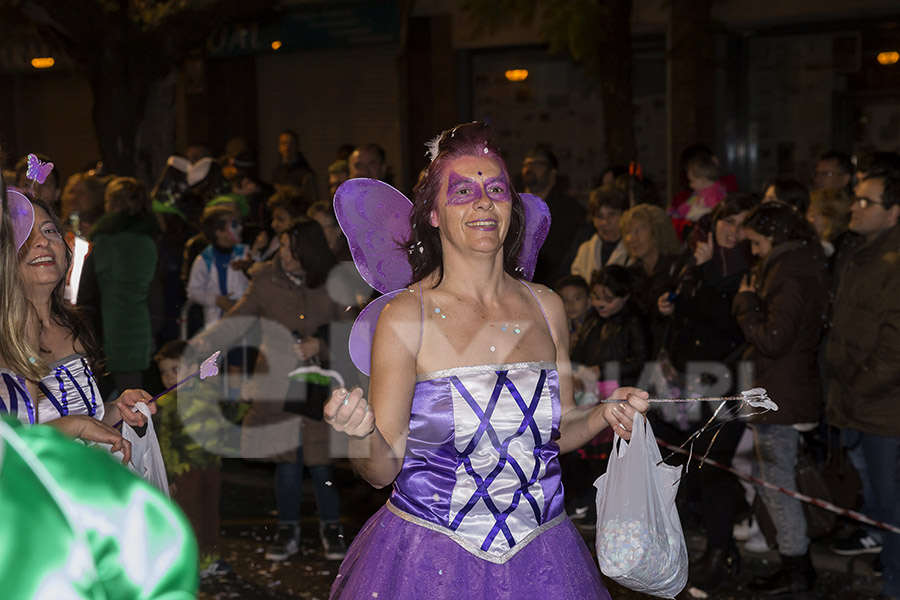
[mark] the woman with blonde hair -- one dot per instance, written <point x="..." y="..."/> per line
<point x="829" y="214"/>
<point x="16" y="352"/>
<point x="21" y="364"/>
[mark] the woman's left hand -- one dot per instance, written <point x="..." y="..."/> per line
<point x="125" y="405"/>
<point x="620" y="415"/>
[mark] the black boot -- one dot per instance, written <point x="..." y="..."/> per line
<point x="718" y="568"/>
<point x="796" y="576"/>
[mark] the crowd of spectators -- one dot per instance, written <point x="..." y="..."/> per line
<point x="725" y="289"/>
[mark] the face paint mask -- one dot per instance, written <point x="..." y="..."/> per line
<point x="462" y="190"/>
<point x="234" y="230"/>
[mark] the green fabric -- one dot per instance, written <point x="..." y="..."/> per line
<point x="76" y="524"/>
<point x="195" y="427"/>
<point x="120" y="222"/>
<point x="238" y="199"/>
<point x="168" y="207"/>
<point x="125" y="257"/>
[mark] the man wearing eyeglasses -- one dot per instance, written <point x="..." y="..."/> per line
<point x="568" y="226"/>
<point x="833" y="172"/>
<point x="863" y="358"/>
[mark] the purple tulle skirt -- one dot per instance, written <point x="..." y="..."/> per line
<point x="396" y="559"/>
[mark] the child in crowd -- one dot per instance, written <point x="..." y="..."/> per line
<point x="577" y="470"/>
<point x="576" y="296"/>
<point x="615" y="345"/>
<point x="703" y="175"/>
<point x="609" y="350"/>
<point x="195" y="429"/>
<point x="215" y="282"/>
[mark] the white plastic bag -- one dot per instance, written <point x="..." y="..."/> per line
<point x="146" y="457"/>
<point x="640" y="543"/>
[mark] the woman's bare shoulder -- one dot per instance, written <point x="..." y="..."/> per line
<point x="404" y="309"/>
<point x="549" y="299"/>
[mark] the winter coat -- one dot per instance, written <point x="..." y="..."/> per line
<point x="203" y="283"/>
<point x="647" y="289"/>
<point x="783" y="323"/>
<point x="863" y="354"/>
<point x="588" y="258"/>
<point x="297" y="174"/>
<point x="566" y="218"/>
<point x="284" y="312"/>
<point x="118" y="278"/>
<point x="703" y="325"/>
<point x="620" y="339"/>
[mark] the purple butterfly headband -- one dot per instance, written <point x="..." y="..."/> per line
<point x="22" y="214"/>
<point x="37" y="171"/>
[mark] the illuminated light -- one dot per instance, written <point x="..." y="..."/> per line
<point x="517" y="74"/>
<point x="44" y="62"/>
<point x="888" y="58"/>
<point x="276" y="45"/>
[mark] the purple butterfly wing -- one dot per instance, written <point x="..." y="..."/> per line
<point x="363" y="331"/>
<point x="22" y="215"/>
<point x="537" y="225"/>
<point x="375" y="218"/>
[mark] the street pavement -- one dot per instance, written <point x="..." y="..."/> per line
<point x="248" y="522"/>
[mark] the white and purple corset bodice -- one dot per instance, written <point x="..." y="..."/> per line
<point x="69" y="389"/>
<point x="14" y="397"/>
<point x="481" y="457"/>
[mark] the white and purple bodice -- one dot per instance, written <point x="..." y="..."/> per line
<point x="481" y="456"/>
<point x="69" y="389"/>
<point x="14" y="397"/>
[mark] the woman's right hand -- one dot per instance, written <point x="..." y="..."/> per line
<point x="704" y="251"/>
<point x="349" y="412"/>
<point x="664" y="305"/>
<point x="92" y="430"/>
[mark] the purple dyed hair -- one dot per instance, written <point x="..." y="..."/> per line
<point x="470" y="139"/>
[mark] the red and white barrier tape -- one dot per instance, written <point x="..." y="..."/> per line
<point x="801" y="497"/>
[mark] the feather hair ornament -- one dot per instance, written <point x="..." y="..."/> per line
<point x="433" y="147"/>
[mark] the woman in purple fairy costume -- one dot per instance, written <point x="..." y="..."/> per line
<point x="469" y="405"/>
<point x="22" y="365"/>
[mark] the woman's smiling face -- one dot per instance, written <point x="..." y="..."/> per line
<point x="474" y="204"/>
<point x="42" y="259"/>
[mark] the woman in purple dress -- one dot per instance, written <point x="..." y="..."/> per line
<point x="470" y="403"/>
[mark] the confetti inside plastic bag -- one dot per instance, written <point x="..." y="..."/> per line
<point x="640" y="543"/>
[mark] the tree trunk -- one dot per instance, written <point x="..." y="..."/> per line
<point x="133" y="118"/>
<point x="119" y="94"/>
<point x="614" y="47"/>
<point x="156" y="132"/>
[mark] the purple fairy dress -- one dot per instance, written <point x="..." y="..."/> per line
<point x="477" y="509"/>
<point x="14" y="397"/>
<point x="69" y="389"/>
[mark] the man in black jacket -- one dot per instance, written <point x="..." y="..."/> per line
<point x="863" y="359"/>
